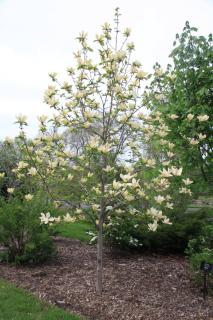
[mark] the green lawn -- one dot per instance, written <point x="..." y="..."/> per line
<point x="77" y="230"/>
<point x="17" y="304"/>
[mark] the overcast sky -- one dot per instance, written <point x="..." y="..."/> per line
<point x="38" y="36"/>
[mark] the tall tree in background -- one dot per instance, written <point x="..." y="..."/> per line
<point x="184" y="95"/>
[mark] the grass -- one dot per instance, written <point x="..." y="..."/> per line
<point x="77" y="230"/>
<point x="17" y="304"/>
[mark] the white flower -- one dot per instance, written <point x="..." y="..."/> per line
<point x="2" y="175"/>
<point x="133" y="145"/>
<point x="190" y="116"/>
<point x="165" y="173"/>
<point x="159" y="96"/>
<point x="170" y="154"/>
<point x="87" y="124"/>
<point x="109" y="208"/>
<point x="202" y="118"/>
<point x="8" y="140"/>
<point x="166" y="221"/>
<point x="141" y="75"/>
<point x="70" y="70"/>
<point x="159" y="72"/>
<point x="68" y="218"/>
<point x="159" y="199"/>
<point x="105" y="148"/>
<point x="96" y="190"/>
<point x="134" y="125"/>
<point x="171" y="145"/>
<point x="22" y="165"/>
<point x="124" y="118"/>
<point x="88" y="114"/>
<point x="58" y="219"/>
<point x="150" y="163"/>
<point x="201" y="136"/>
<point x="21" y="119"/>
<point x="169" y="205"/>
<point x="163" y="183"/>
<point x="152" y="212"/>
<point x="95" y="207"/>
<point x="94" y="142"/>
<point x="28" y="197"/>
<point x="135" y="183"/>
<point x="162" y="133"/>
<point x="153" y="226"/>
<point x="122" y="107"/>
<point x="108" y="169"/>
<point x="46" y="218"/>
<point x="141" y="115"/>
<point x="141" y="192"/>
<point x="10" y="190"/>
<point x="136" y="63"/>
<point x="56" y="203"/>
<point x="126" y="177"/>
<point x="120" y="55"/>
<point x="175" y="171"/>
<point x="116" y="185"/>
<point x="130" y="45"/>
<point x="155" y="214"/>
<point x="78" y="211"/>
<point x="193" y="141"/>
<point x="185" y="190"/>
<point x="187" y="181"/>
<point x="129" y="168"/>
<point x="173" y="116"/>
<point x="53" y="75"/>
<point x="32" y="171"/>
<point x="42" y="118"/>
<point x="127" y="32"/>
<point x="165" y="163"/>
<point x="163" y="142"/>
<point x="172" y="76"/>
<point x="128" y="196"/>
<point x="117" y="211"/>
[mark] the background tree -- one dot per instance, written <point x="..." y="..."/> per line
<point x="9" y="157"/>
<point x="184" y="95"/>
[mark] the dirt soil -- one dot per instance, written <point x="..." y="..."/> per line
<point x="136" y="287"/>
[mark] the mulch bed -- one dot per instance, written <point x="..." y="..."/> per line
<point x="136" y="287"/>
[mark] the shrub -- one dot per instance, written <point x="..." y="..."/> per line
<point x="167" y="239"/>
<point x="123" y="232"/>
<point x="20" y="230"/>
<point x="200" y="250"/>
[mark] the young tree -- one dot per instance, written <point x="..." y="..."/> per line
<point x="183" y="94"/>
<point x="104" y="99"/>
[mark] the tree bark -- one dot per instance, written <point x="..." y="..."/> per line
<point x="99" y="276"/>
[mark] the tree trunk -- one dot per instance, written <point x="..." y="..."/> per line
<point x="99" y="276"/>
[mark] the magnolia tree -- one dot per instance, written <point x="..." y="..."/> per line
<point x="104" y="100"/>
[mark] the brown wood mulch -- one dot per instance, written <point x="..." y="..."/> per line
<point x="136" y="287"/>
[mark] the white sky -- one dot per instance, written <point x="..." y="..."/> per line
<point x="38" y="36"/>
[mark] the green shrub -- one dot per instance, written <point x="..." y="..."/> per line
<point x="200" y="250"/>
<point x="167" y="239"/>
<point x="123" y="232"/>
<point x="24" y="238"/>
